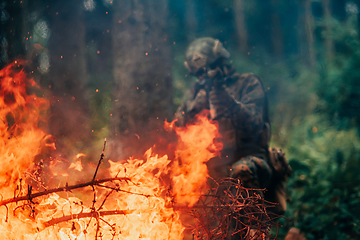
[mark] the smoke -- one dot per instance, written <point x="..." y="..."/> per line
<point x="89" y="5"/>
<point x="42" y="29"/>
<point x="44" y="62"/>
<point x="351" y="8"/>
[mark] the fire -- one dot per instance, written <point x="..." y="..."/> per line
<point x="21" y="140"/>
<point x="196" y="147"/>
<point x="137" y="201"/>
<point x="20" y="116"/>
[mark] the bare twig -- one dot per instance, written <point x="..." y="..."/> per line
<point x="101" y="158"/>
<point x="97" y="225"/>
<point x="94" y="198"/>
<point x="103" y="202"/>
<point x="111" y="226"/>
<point x="117" y="189"/>
<point x="66" y="218"/>
<point x="31" y="196"/>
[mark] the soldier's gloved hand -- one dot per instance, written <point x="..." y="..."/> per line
<point x="221" y="103"/>
<point x="200" y="102"/>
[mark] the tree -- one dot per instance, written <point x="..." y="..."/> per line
<point x="306" y="33"/>
<point x="191" y="19"/>
<point x="142" y="73"/>
<point x="276" y="31"/>
<point x="67" y="78"/>
<point x="242" y="33"/>
<point x="328" y="41"/>
<point x="12" y="41"/>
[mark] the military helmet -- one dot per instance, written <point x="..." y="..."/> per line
<point x="203" y="52"/>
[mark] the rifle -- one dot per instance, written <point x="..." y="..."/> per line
<point x="207" y="83"/>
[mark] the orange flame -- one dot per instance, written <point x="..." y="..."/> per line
<point x="21" y="140"/>
<point x="141" y="207"/>
<point x="20" y="116"/>
<point x="196" y="147"/>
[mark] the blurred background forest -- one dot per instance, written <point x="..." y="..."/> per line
<point x="114" y="68"/>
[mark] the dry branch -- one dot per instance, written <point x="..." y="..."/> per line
<point x="55" y="221"/>
<point x="99" y="162"/>
<point x="229" y="210"/>
<point x="67" y="188"/>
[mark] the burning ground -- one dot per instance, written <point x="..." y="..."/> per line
<point x="137" y="200"/>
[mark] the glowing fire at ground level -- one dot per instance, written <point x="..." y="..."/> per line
<point x="133" y="203"/>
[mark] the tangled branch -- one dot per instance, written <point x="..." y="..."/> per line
<point x="231" y="210"/>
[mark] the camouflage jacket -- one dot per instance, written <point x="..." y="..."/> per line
<point x="243" y="123"/>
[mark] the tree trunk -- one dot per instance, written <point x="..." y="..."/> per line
<point x="306" y="33"/>
<point x="67" y="78"/>
<point x="25" y="25"/>
<point x="327" y="19"/>
<point x="5" y="34"/>
<point x="191" y="20"/>
<point x="309" y="28"/>
<point x="276" y="32"/>
<point x="242" y="33"/>
<point x="12" y="41"/>
<point x="142" y="73"/>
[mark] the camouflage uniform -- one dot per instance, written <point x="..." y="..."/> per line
<point x="239" y="105"/>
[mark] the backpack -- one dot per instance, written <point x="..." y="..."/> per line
<point x="281" y="171"/>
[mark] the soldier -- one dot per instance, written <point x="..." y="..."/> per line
<point x="238" y="103"/>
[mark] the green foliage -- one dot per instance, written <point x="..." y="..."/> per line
<point x="339" y="85"/>
<point x="325" y="186"/>
<point x="322" y="142"/>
